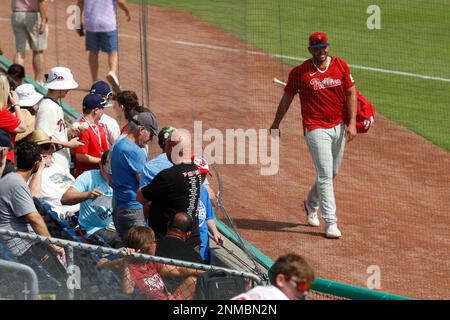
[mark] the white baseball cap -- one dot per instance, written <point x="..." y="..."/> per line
<point x="28" y="97"/>
<point x="60" y="78"/>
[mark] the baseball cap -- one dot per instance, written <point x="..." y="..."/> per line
<point x="5" y="139"/>
<point x="102" y="88"/>
<point x="60" y="78"/>
<point x="164" y="134"/>
<point x="146" y="120"/>
<point x="28" y="97"/>
<point x="92" y="101"/>
<point x="318" y="40"/>
<point x="201" y="164"/>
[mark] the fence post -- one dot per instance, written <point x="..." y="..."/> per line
<point x="70" y="269"/>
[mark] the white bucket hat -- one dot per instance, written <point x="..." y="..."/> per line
<point x="28" y="97"/>
<point x="60" y="78"/>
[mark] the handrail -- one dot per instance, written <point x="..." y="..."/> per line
<point x="30" y="275"/>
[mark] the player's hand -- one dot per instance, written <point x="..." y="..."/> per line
<point x="350" y="132"/>
<point x="94" y="194"/>
<point x="128" y="15"/>
<point x="74" y="143"/>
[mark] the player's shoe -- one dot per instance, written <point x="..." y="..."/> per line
<point x="332" y="231"/>
<point x="311" y="216"/>
<point x="114" y="82"/>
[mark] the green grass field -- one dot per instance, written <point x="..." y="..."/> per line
<point x="413" y="38"/>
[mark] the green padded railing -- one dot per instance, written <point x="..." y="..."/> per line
<point x="319" y="285"/>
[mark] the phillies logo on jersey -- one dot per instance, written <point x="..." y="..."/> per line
<point x="325" y="83"/>
<point x="60" y="123"/>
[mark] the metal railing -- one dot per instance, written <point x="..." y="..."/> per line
<point x="31" y="290"/>
<point x="71" y="245"/>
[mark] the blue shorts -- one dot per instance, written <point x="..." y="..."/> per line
<point x="105" y="41"/>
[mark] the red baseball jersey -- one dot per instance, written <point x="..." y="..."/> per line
<point x="8" y="123"/>
<point x="95" y="143"/>
<point x="322" y="92"/>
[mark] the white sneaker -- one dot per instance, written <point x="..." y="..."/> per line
<point x="311" y="216"/>
<point x="332" y="231"/>
<point x="113" y="81"/>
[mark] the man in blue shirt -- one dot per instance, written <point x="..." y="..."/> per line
<point x="159" y="163"/>
<point x="127" y="163"/>
<point x="94" y="219"/>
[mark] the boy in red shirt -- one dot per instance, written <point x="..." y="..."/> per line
<point x="89" y="155"/>
<point x="324" y="83"/>
<point x="146" y="276"/>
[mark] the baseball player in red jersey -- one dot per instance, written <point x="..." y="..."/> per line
<point x="322" y="86"/>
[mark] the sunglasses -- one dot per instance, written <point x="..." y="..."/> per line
<point x="300" y="285"/>
<point x="48" y="147"/>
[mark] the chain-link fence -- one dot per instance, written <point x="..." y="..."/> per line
<point x="97" y="272"/>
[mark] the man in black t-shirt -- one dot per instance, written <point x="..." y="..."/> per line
<point x="173" y="190"/>
<point x="174" y="246"/>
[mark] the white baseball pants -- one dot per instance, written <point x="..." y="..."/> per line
<point x="326" y="147"/>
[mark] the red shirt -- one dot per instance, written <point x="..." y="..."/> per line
<point x="322" y="95"/>
<point x="8" y="123"/>
<point x="124" y="129"/>
<point x="148" y="280"/>
<point x="95" y="143"/>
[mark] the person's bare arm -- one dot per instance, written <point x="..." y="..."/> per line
<point x="43" y="13"/>
<point x="73" y="143"/>
<point x="73" y="196"/>
<point x="212" y="195"/>
<point x="283" y="107"/>
<point x="3" y="153"/>
<point x="35" y="184"/>
<point x="37" y="223"/>
<point x="214" y="232"/>
<point x="14" y="99"/>
<point x="123" y="5"/>
<point x="179" y="271"/>
<point x="352" y="103"/>
<point x="127" y="283"/>
<point x="85" y="158"/>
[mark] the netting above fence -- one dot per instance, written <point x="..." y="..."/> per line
<point x="208" y="66"/>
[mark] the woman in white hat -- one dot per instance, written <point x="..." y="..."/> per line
<point x="50" y="115"/>
<point x="28" y="99"/>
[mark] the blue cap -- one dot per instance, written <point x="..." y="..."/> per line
<point x="5" y="139"/>
<point x="102" y="88"/>
<point x="92" y="101"/>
